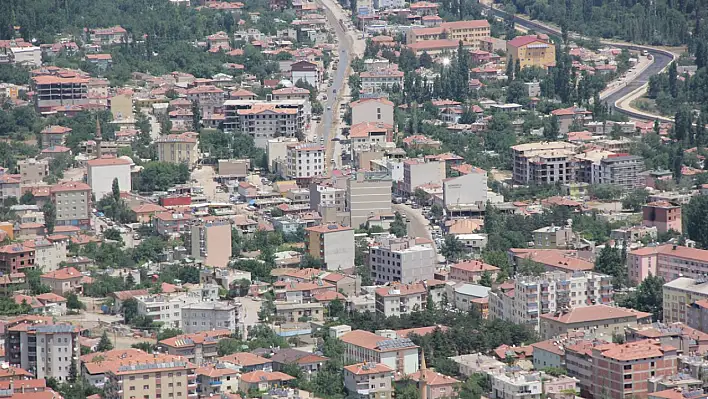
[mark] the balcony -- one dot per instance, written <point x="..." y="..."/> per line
<point x="214" y="383"/>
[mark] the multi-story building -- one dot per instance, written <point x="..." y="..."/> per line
<point x="401" y="299"/>
<point x="663" y="215"/>
<point x="544" y="163"/>
<point x="63" y="281"/>
<point x="524" y="385"/>
<point x="263" y="381"/>
<point x="48" y="254"/>
<point x="668" y="262"/>
<point x="374" y="110"/>
<point x="56" y="91"/>
<point x="266" y="120"/>
<point x="171" y="223"/>
<point x="418" y="172"/>
<point x="623" y="370"/>
<point x="72" y="201"/>
<point x="305" y="161"/>
<point x="108" y="36"/>
<point x="596" y="319"/>
<point x="698" y="315"/>
<point x="15" y="257"/>
<point x="216" y="379"/>
<point x="210" y="241"/>
<point x="680" y="294"/>
<point x="466" y="297"/>
<point x="470" y="33"/>
<point x="306" y="71"/>
<point x="54" y="135"/>
<point x="552" y="259"/>
<point x="198" y="348"/>
<point x="101" y="173"/>
<point x="467" y="190"/>
<point x="165" y="308"/>
<point x="9" y="186"/>
<point x="150" y="376"/>
<point x="291" y="93"/>
<point x="384" y="79"/>
<point x="553" y="237"/>
<point x="301" y="291"/>
<point x="471" y="271"/>
<point x="94" y="366"/>
<point x="532" y="51"/>
<point x="42" y="348"/>
<point x="622" y="170"/>
<point x="299" y="312"/>
<point x="178" y="148"/>
<point x="33" y="171"/>
<point x="400" y="354"/>
<point x="369" y="380"/>
<point x="245" y="362"/>
<point x="207" y="316"/>
<point x="209" y="99"/>
<point x="405" y="260"/>
<point x="327" y="196"/>
<point x="368" y="194"/>
<point x="332" y="244"/>
<point x="549" y="293"/>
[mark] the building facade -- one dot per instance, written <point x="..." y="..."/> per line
<point x="72" y="201"/>
<point x="102" y="172"/>
<point x="544" y="163"/>
<point x="178" y="148"/>
<point x="403" y="260"/>
<point x="332" y="244"/>
<point x="210" y="242"/>
<point x="368" y="194"/>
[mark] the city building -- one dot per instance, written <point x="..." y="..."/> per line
<point x="471" y="271"/>
<point x="210" y="241"/>
<point x="401" y="299"/>
<point x="52" y="92"/>
<point x="375" y="110"/>
<point x="266" y="120"/>
<point x="171" y="223"/>
<point x="48" y="255"/>
<point x="369" y="380"/>
<point x="149" y="376"/>
<point x="532" y="51"/>
<point x="596" y="319"/>
<point x="663" y="215"/>
<point x="623" y="370"/>
<point x="54" y="135"/>
<point x="549" y="293"/>
<point x="417" y="172"/>
<point x="210" y="99"/>
<point x="553" y="237"/>
<point x="305" y="161"/>
<point x="63" y="281"/>
<point x="399" y="354"/>
<point x="466" y="191"/>
<point x="9" y="186"/>
<point x="178" y="148"/>
<point x="198" y="348"/>
<point x="291" y="93"/>
<point x="165" y="308"/>
<point x="679" y="297"/>
<point x="323" y="196"/>
<point x="15" y="257"/>
<point x="621" y="170"/>
<point x="263" y="381"/>
<point x="33" y="171"/>
<point x="102" y="172"/>
<point x="207" y="316"/>
<point x="308" y="362"/>
<point x="516" y="385"/>
<point x="246" y="362"/>
<point x="299" y="312"/>
<point x="471" y="33"/>
<point x="72" y="201"/>
<point x="552" y="259"/>
<point x="332" y="244"/>
<point x="216" y="379"/>
<point x="405" y="260"/>
<point x="368" y="194"/>
<point x="543" y="163"/>
<point x="379" y="80"/>
<point x="465" y="297"/>
<point x="668" y="262"/>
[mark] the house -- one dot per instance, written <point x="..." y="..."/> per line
<point x="569" y="116"/>
<point x="245" y="362"/>
<point x="437" y="385"/>
<point x="309" y="363"/>
<point x="376" y="110"/>
<point x="63" y="281"/>
<point x="663" y="215"/>
<point x="471" y="271"/>
<point x="369" y="380"/>
<point x="376" y="81"/>
<point x="102" y="171"/>
<point x="306" y="71"/>
<point x="263" y="380"/>
<point x="145" y="211"/>
<point x="217" y="380"/>
<point x="398" y="354"/>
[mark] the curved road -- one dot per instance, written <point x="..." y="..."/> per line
<point x="662" y="59"/>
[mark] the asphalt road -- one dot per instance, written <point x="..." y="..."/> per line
<point x="661" y="61"/>
<point x="417" y="223"/>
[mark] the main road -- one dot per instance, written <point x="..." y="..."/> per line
<point x="661" y="58"/>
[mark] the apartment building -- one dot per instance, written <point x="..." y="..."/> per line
<point x="596" y="319"/>
<point x="680" y="294"/>
<point x="624" y="370"/>
<point x="165" y="308"/>
<point x="178" y="148"/>
<point x="108" y="36"/>
<point x="401" y="299"/>
<point x="552" y="259"/>
<point x="217" y="380"/>
<point x="42" y="348"/>
<point x="471" y="271"/>
<point x="405" y="260"/>
<point x="368" y="194"/>
<point x="698" y="315"/>
<point x="72" y="201"/>
<point x="553" y="237"/>
<point x="379" y="80"/>
<point x="663" y="215"/>
<point x="63" y="281"/>
<point x="245" y="362"/>
<point x="206" y="316"/>
<point x="551" y="292"/>
<point x="171" y="223"/>
<point x="15" y="257"/>
<point x="266" y="120"/>
<point x="622" y="170"/>
<point x="301" y="291"/>
<point x="299" y="312"/>
<point x="101" y="173"/>
<point x="52" y="92"/>
<point x="263" y="381"/>
<point x="419" y="172"/>
<point x="516" y="385"/>
<point x="48" y="254"/>
<point x="399" y="354"/>
<point x="332" y="244"/>
<point x="210" y="241"/>
<point x="54" y="136"/>
<point x="470" y="33"/>
<point x="305" y="161"/>
<point x="532" y="51"/>
<point x="151" y="375"/>
<point x="291" y="93"/>
<point x="544" y="163"/>
<point x="468" y="190"/>
<point x="33" y="171"/>
<point x="198" y="348"/>
<point x="374" y="110"/>
<point x="668" y="262"/>
<point x="369" y="380"/>
<point x="210" y="99"/>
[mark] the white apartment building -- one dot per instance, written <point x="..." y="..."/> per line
<point x="373" y="110"/>
<point x="550" y="292"/>
<point x="404" y="260"/>
<point x="208" y="316"/>
<point x="466" y="190"/>
<point x="102" y="172"/>
<point x="544" y="163"/>
<point x="400" y="354"/>
<point x="392" y="167"/>
<point x="518" y="385"/>
<point x="266" y="120"/>
<point x="72" y="201"/>
<point x="375" y="81"/>
<point x="369" y="380"/>
<point x="327" y="196"/>
<point x="368" y="194"/>
<point x="277" y="151"/>
<point x="332" y="244"/>
<point x="304" y="161"/>
<point x="164" y="308"/>
<point x="418" y="172"/>
<point x="48" y="255"/>
<point x="401" y="299"/>
<point x="42" y="349"/>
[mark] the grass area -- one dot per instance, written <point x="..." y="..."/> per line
<point x="647" y="105"/>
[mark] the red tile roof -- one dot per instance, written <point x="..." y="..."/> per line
<point x="594" y="313"/>
<point x="66" y="273"/>
<point x="368" y="368"/>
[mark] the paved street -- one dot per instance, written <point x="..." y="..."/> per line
<point x="417" y="223"/>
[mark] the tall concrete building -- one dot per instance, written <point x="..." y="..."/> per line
<point x="332" y="244"/>
<point x="33" y="171"/>
<point x="465" y="191"/>
<point x="621" y="170"/>
<point x="102" y="172"/>
<point x="210" y="242"/>
<point x="265" y="120"/>
<point x="208" y="316"/>
<point x="405" y="260"/>
<point x="72" y="201"/>
<point x="418" y="172"/>
<point x="368" y="194"/>
<point x="544" y="163"/>
<point x="178" y="148"/>
<point x="151" y="376"/>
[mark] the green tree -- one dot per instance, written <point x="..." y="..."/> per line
<point x="648" y="297"/>
<point x="115" y="190"/>
<point x="610" y="262"/>
<point x="28" y="198"/>
<point x="130" y="310"/>
<point x="398" y="226"/>
<point x="73" y="302"/>
<point x="168" y="333"/>
<point x="635" y="199"/>
<point x="696" y="220"/>
<point x="551" y="128"/>
<point x="50" y="216"/>
<point x="436" y="211"/>
<point x="529" y="267"/>
<point x="104" y="344"/>
<point x="486" y="279"/>
<point x="452" y="248"/>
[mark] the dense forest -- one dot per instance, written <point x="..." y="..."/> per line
<point x="667" y="22"/>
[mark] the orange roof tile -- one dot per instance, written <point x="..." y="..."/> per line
<point x="260" y="375"/>
<point x="66" y="273"/>
<point x="368" y="368"/>
<point x="594" y="313"/>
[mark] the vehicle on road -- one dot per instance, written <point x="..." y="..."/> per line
<point x="329" y="108"/>
<point x="334" y="91"/>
